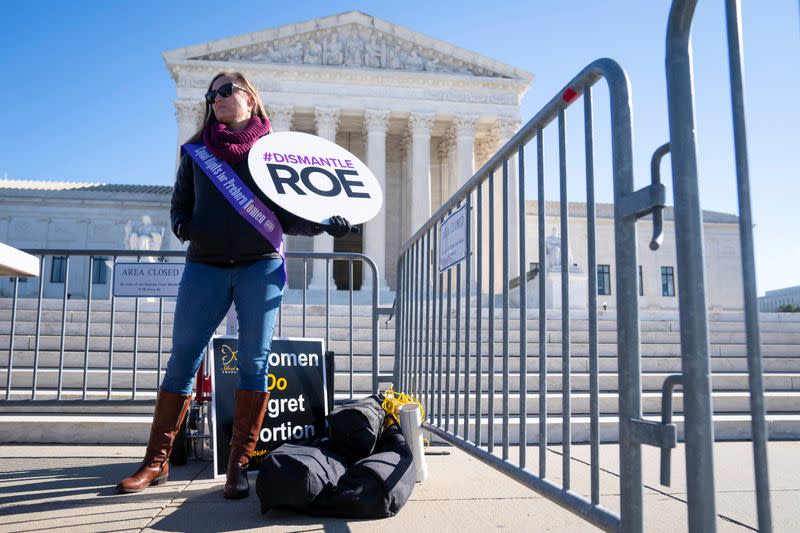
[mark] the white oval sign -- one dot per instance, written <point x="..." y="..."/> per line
<point x="314" y="178"/>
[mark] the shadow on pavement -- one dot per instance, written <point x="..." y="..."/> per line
<point x="33" y="485"/>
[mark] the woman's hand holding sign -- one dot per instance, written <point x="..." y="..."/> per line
<point x="338" y="227"/>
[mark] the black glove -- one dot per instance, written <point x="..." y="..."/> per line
<point x="338" y="227"/>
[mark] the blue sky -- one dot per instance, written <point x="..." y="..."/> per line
<point x="88" y="97"/>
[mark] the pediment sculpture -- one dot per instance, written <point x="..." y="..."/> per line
<point x="352" y="46"/>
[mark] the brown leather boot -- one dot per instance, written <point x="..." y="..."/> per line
<point x="167" y="419"/>
<point x="247" y="418"/>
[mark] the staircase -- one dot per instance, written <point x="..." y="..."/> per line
<point x="104" y="421"/>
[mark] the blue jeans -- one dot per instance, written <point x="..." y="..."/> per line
<point x="204" y="297"/>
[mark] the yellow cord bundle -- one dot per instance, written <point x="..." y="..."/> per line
<point x="392" y="401"/>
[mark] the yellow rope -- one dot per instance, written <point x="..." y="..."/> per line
<point x="392" y="401"/>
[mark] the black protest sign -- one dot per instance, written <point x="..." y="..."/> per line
<point x="297" y="404"/>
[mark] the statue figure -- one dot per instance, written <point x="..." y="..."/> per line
<point x="432" y="65"/>
<point x="144" y="235"/>
<point x="461" y="67"/>
<point x="392" y="57"/>
<point x="373" y="53"/>
<point x="295" y="52"/>
<point x="313" y="55"/>
<point x="275" y="55"/>
<point x="552" y="247"/>
<point x="354" y="50"/>
<point x="414" y="61"/>
<point x="553" y="252"/>
<point x="333" y="50"/>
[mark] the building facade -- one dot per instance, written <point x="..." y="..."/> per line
<point x="96" y="216"/>
<point x="57" y="215"/>
<point x="657" y="272"/>
<point x="772" y="300"/>
<point x="421" y="113"/>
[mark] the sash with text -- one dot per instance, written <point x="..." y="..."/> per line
<point x="238" y="195"/>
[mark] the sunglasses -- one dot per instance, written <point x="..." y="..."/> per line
<point x="224" y="91"/>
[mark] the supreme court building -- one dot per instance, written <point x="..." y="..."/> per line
<point x="421" y="113"/>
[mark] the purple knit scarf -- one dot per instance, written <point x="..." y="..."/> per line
<point x="233" y="146"/>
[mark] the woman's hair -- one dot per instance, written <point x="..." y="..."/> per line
<point x="258" y="108"/>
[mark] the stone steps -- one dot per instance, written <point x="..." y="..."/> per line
<point x="724" y="402"/>
<point x="122" y="378"/>
<point x="660" y="349"/>
<point x="24" y="359"/>
<point x="342" y="331"/>
<point x="133" y="429"/>
<point x="26" y="310"/>
<point x="386" y="346"/>
<point x="726" y="427"/>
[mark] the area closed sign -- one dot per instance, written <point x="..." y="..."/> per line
<point x="314" y="178"/>
<point x="154" y="280"/>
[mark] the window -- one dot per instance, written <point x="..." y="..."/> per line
<point x="641" y="282"/>
<point x="99" y="270"/>
<point x="667" y="281"/>
<point x="58" y="271"/>
<point x="603" y="279"/>
<point x="21" y="280"/>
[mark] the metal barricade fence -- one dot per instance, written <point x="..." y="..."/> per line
<point x="689" y="243"/>
<point x="84" y="344"/>
<point x="427" y="341"/>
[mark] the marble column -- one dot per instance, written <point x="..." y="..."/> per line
<point x="189" y="115"/>
<point x="463" y="163"/>
<point x="281" y="117"/>
<point x="419" y="125"/>
<point x="375" y="123"/>
<point x="486" y="146"/>
<point x="405" y="187"/>
<point x="507" y="127"/>
<point x="447" y="157"/>
<point x="464" y="130"/>
<point x="327" y="121"/>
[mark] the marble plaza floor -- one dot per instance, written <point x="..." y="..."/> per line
<point x="46" y="488"/>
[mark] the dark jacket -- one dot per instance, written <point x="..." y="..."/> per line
<point x="217" y="234"/>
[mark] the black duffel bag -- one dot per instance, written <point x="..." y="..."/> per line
<point x="312" y="479"/>
<point x="354" y="428"/>
<point x="292" y="476"/>
<point x="377" y="486"/>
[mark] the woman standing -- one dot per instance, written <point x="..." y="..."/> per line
<point x="228" y="260"/>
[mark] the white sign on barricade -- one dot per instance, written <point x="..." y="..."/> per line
<point x="152" y="280"/>
<point x="453" y="239"/>
<point x="314" y="178"/>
